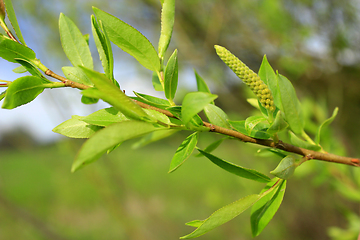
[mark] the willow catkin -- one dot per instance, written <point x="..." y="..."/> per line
<point x="249" y="77"/>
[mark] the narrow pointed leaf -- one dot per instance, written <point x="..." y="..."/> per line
<point x="291" y="107"/>
<point x="268" y="76"/>
<point x="235" y="169"/>
<point x="184" y="151"/>
<point x="76" y="74"/>
<point x="74" y="44"/>
<point x="105" y="117"/>
<point x="31" y="68"/>
<point x="2" y="95"/>
<point x="76" y="128"/>
<point x="151" y="100"/>
<point x="10" y="50"/>
<point x="201" y="84"/>
<point x="156" y="82"/>
<point x="223" y="215"/>
<point x="171" y="76"/>
<point x="111" y="94"/>
<point x="295" y="140"/>
<point x="12" y="17"/>
<point x="193" y="103"/>
<point x="264" y="209"/>
<point x="325" y="124"/>
<point x="19" y="69"/>
<point x="130" y="40"/>
<point x="212" y="146"/>
<point x="108" y="138"/>
<point x="216" y="116"/>
<point x="167" y="24"/>
<point x="23" y="90"/>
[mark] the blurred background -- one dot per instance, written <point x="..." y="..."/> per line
<point x="128" y="193"/>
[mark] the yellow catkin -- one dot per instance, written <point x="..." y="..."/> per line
<point x="249" y="77"/>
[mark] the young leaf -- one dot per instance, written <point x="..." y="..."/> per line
<point x="156" y="82"/>
<point x="222" y="216"/>
<point x="255" y="123"/>
<point x="325" y="124"/>
<point x="201" y="84"/>
<point x="278" y="125"/>
<point x="76" y="74"/>
<point x="76" y="128"/>
<point x="23" y="90"/>
<point x="10" y="50"/>
<point x="295" y="140"/>
<point x="268" y="76"/>
<point x="87" y="100"/>
<point x="235" y="169"/>
<point x="216" y="116"/>
<point x="108" y="138"/>
<point x="153" y="101"/>
<point x="130" y="40"/>
<point x="171" y="76"/>
<point x="19" y="69"/>
<point x="105" y="117"/>
<point x="291" y="107"/>
<point x="167" y="24"/>
<point x="259" y="131"/>
<point x="74" y="44"/>
<point x="113" y="95"/>
<point x="193" y="103"/>
<point x="2" y="95"/>
<point x="184" y="151"/>
<point x="104" y="48"/>
<point x="12" y="17"/>
<point x="264" y="209"/>
<point x="31" y="68"/>
<point x="286" y="167"/>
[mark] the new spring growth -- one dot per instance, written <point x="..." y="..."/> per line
<point x="249" y="77"/>
<point x="2" y="10"/>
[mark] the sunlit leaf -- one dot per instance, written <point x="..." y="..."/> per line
<point x="12" y="17"/>
<point x="184" y="151"/>
<point x="278" y="125"/>
<point x="201" y="84"/>
<point x="31" y="68"/>
<point x="257" y="132"/>
<point x="235" y="169"/>
<point x="105" y="117"/>
<point x="193" y="103"/>
<point x="216" y="116"/>
<point x="130" y="40"/>
<point x="76" y="128"/>
<point x="286" y="167"/>
<point x="153" y="101"/>
<point x="295" y="140"/>
<point x="108" y="138"/>
<point x="74" y="44"/>
<point x="76" y="74"/>
<point x="268" y="76"/>
<point x="10" y="50"/>
<point x="171" y="76"/>
<point x="167" y="24"/>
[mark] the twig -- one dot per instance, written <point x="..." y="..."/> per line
<point x="309" y="154"/>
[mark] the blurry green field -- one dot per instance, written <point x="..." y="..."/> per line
<point x="128" y="194"/>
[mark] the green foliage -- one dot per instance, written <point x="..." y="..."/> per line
<point x="152" y="118"/>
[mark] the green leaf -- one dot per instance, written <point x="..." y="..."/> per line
<point x="291" y="107"/>
<point x="201" y="84"/>
<point x="158" y="116"/>
<point x="325" y="124"/>
<point x="153" y="101"/>
<point x="74" y="44"/>
<point x="108" y="138"/>
<point x="2" y="95"/>
<point x="286" y="167"/>
<point x="171" y="76"/>
<point x="130" y="40"/>
<point x="10" y="50"/>
<point x="295" y="140"/>
<point x="23" y="90"/>
<point x="76" y="74"/>
<point x="31" y="68"/>
<point x="153" y="137"/>
<point x="264" y="209"/>
<point x="257" y="132"/>
<point x="193" y="103"/>
<point x="195" y="223"/>
<point x="19" y="69"/>
<point x="156" y="82"/>
<point x="87" y="100"/>
<point x="113" y="95"/>
<point x="235" y="169"/>
<point x="268" y="76"/>
<point x="184" y="151"/>
<point x="12" y="17"/>
<point x="76" y="128"/>
<point x="167" y="24"/>
<point x="278" y="125"/>
<point x="222" y="216"/>
<point x="256" y="123"/>
<point x="105" y="117"/>
<point x="103" y="46"/>
<point x="216" y="116"/>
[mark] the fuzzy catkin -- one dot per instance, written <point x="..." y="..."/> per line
<point x="249" y="77"/>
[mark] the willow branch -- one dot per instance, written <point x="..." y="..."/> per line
<point x="308" y="154"/>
